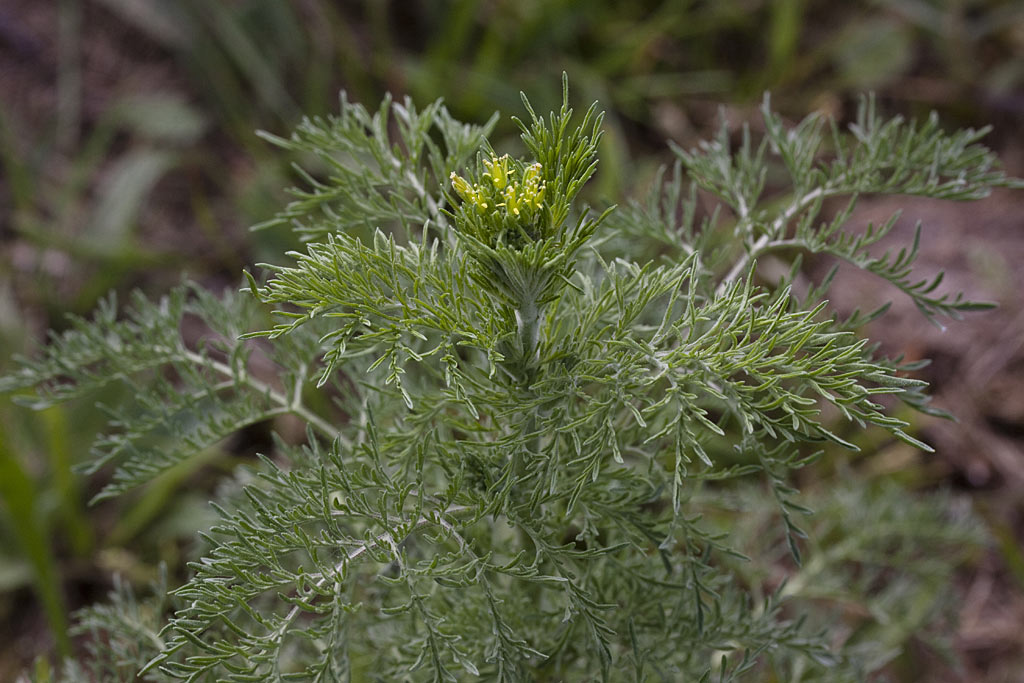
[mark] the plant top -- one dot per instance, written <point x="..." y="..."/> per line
<point x="537" y="436"/>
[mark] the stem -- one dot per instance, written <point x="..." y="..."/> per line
<point x="764" y="243"/>
<point x="528" y="317"/>
<point x="386" y="537"/>
<point x="291" y="405"/>
<point x="528" y="324"/>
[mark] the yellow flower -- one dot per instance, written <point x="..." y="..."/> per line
<point x="533" y="188"/>
<point x="515" y="196"/>
<point x="511" y="200"/>
<point x="470" y="193"/>
<point x="531" y="177"/>
<point x="463" y="188"/>
<point x="497" y="171"/>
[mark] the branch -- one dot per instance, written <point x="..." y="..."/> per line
<point x="291" y="405"/>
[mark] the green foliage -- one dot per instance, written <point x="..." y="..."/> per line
<point x="531" y="445"/>
<point x="377" y="179"/>
<point x="880" y="157"/>
<point x="183" y="399"/>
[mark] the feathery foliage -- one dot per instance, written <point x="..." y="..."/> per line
<point x="537" y="427"/>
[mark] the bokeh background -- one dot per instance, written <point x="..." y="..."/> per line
<point x="128" y="155"/>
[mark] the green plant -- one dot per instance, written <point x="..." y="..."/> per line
<point x="532" y="430"/>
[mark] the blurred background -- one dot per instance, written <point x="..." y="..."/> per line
<point x="128" y="155"/>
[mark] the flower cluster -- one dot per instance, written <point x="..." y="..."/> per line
<point x="500" y="189"/>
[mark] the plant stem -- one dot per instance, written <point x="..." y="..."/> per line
<point x="765" y="242"/>
<point x="291" y="405"/>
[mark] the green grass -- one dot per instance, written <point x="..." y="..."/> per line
<point x="22" y="502"/>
